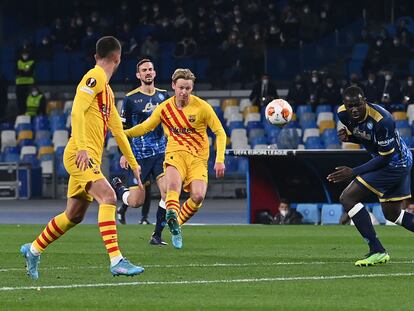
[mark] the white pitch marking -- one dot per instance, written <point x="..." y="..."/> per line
<point x="203" y="282"/>
<point x="252" y="264"/>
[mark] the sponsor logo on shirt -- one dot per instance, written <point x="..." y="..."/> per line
<point x="386" y="142"/>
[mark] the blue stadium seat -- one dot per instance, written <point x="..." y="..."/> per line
<point x="254" y="125"/>
<point x="43" y="142"/>
<point x="26" y="142"/>
<point x="305" y="124"/>
<point x="43" y="71"/>
<point x="235" y="125"/>
<point x="310" y="213"/>
<point x="57" y="122"/>
<point x="30" y="159"/>
<point x="6" y="126"/>
<point x="323" y="108"/>
<point x="301" y="109"/>
<point x="11" y="157"/>
<point x="402" y="124"/>
<point x="243" y="166"/>
<point x="201" y="66"/>
<point x="288" y="139"/>
<point x="273" y="131"/>
<point x="23" y="127"/>
<point x="258" y="141"/>
<point x="60" y="67"/>
<point x="41" y="123"/>
<point x="408" y="140"/>
<point x="331" y="214"/>
<point x="314" y="142"/>
<point x="379" y="215"/>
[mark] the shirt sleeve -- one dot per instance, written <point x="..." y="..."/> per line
<point x="89" y="87"/>
<point x="214" y="124"/>
<point x="148" y="125"/>
<point x="115" y="125"/>
<point x="384" y="136"/>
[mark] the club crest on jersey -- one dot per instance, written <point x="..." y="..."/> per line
<point x="191" y="118"/>
<point x="160" y="96"/>
<point x="369" y="125"/>
<point x="91" y="82"/>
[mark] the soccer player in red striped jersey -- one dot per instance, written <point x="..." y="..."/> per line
<point x="93" y="113"/>
<point x="185" y="119"/>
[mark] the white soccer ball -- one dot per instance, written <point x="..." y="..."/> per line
<point x="278" y="112"/>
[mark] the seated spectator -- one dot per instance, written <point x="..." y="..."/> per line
<point x="391" y="89"/>
<point x="298" y="93"/>
<point x="45" y="50"/>
<point x="263" y="92"/>
<point x="407" y="91"/>
<point x="149" y="48"/>
<point x="35" y="103"/>
<point x="287" y="215"/>
<point x="314" y="88"/>
<point x="330" y="93"/>
<point x="187" y="47"/>
<point x="372" y="89"/>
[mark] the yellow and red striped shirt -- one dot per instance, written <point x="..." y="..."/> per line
<point x="93" y="112"/>
<point x="186" y="128"/>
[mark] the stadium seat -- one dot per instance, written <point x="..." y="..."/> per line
<point x="323" y="108"/>
<point x="250" y="109"/>
<point x="229" y="102"/>
<point x="60" y="138"/>
<point x="252" y="117"/>
<point x="57" y="122"/>
<point x="42" y="134"/>
<point x="273" y="132"/>
<point x="306" y="117"/>
<point x="244" y="103"/>
<point x="326" y="124"/>
<point x="26" y="134"/>
<point x="410" y="113"/>
<point x="45" y="152"/>
<point x="235" y="125"/>
<point x="27" y="150"/>
<point x="314" y="142"/>
<point x="399" y="115"/>
<point x="331" y="214"/>
<point x="47" y="166"/>
<point x="8" y="138"/>
<point x="359" y="51"/>
<point x="324" y="116"/>
<point x="408" y="140"/>
<point x="236" y="117"/>
<point x="11" y="156"/>
<point x="288" y="139"/>
<point x="231" y="163"/>
<point x="30" y="159"/>
<point x="310" y="132"/>
<point x="379" y="215"/>
<point x="214" y="102"/>
<point x="402" y="123"/>
<point x="40" y="123"/>
<point x="302" y="109"/>
<point x="350" y="146"/>
<point x="47" y="142"/>
<point x="256" y="133"/>
<point x="243" y="165"/>
<point x="26" y="142"/>
<point x="6" y="126"/>
<point x="259" y="140"/>
<point x="22" y="119"/>
<point x="112" y="146"/>
<point x="405" y="132"/>
<point x="54" y="107"/>
<point x="230" y="111"/>
<point x="67" y="108"/>
<point x="310" y="213"/>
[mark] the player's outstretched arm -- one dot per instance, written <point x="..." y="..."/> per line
<point x="148" y="125"/>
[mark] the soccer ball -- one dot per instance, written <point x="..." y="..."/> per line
<point x="278" y="112"/>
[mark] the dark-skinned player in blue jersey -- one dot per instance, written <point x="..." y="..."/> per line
<point x="387" y="174"/>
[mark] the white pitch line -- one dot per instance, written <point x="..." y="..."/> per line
<point x="203" y="282"/>
<point x="252" y="264"/>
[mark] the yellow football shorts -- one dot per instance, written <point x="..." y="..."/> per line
<point x="190" y="167"/>
<point x="78" y="179"/>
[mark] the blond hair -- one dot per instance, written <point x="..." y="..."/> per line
<point x="182" y="73"/>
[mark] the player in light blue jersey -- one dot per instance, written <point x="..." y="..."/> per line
<point x="149" y="149"/>
<point x="387" y="174"/>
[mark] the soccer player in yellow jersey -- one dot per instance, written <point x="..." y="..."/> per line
<point x="93" y="113"/>
<point x="185" y="119"/>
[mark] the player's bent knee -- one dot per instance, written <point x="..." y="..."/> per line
<point x="197" y="198"/>
<point x="346" y="201"/>
<point x="135" y="202"/>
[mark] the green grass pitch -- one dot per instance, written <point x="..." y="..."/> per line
<point x="220" y="268"/>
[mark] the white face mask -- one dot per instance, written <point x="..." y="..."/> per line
<point x="314" y="79"/>
<point x="25" y="56"/>
<point x="34" y="93"/>
<point x="410" y="82"/>
<point x="388" y="77"/>
<point x="371" y="81"/>
<point x="283" y="212"/>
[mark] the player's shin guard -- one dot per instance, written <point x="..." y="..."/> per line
<point x="406" y="220"/>
<point x="54" y="229"/>
<point x="362" y="221"/>
<point x="188" y="210"/>
<point x="107" y="228"/>
<point x="160" y="224"/>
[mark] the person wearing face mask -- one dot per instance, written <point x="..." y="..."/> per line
<point x="298" y="92"/>
<point x="263" y="92"/>
<point x="35" y="103"/>
<point x="315" y="88"/>
<point x="407" y="91"/>
<point x="24" y="79"/>
<point x="391" y="94"/>
<point x="287" y="215"/>
<point x="372" y="89"/>
<point x="330" y="93"/>
<point x="377" y="56"/>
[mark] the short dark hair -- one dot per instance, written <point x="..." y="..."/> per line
<point x="143" y="61"/>
<point x="105" y="46"/>
<point x="353" y="91"/>
<point x="284" y="200"/>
